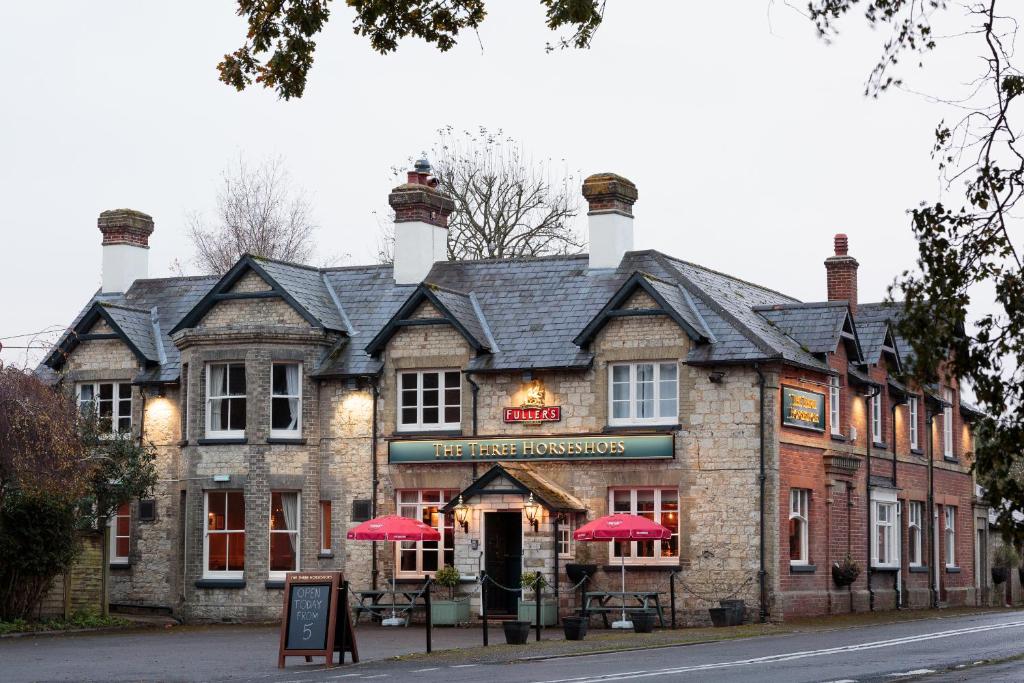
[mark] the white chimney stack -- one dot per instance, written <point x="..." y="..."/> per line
<point x="610" y="218"/>
<point x="125" y="248"/>
<point x="421" y="225"/>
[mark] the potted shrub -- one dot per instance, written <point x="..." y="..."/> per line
<point x="534" y="581"/>
<point x="846" y="572"/>
<point x="1003" y="559"/>
<point x="453" y="610"/>
<point x="575" y="627"/>
<point x="516" y="632"/>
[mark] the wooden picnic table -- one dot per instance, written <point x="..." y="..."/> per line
<point x="380" y="610"/>
<point x="600" y="602"/>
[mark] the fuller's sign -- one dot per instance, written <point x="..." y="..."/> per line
<point x="531" y="414"/>
<point x="566" y="447"/>
<point x="804" y="409"/>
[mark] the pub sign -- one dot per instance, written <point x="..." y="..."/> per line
<point x="562" y="447"/>
<point x="801" y="408"/>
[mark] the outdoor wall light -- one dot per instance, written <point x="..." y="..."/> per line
<point x="462" y="515"/>
<point x="532" y="510"/>
<point x="716" y="377"/>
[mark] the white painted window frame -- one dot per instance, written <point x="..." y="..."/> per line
<point x="115" y="411"/>
<point x="280" y="575"/>
<point x="286" y="433"/>
<point x="631" y="419"/>
<point x="834" y="405"/>
<point x="799" y="508"/>
<point x="915" y="532"/>
<point x="446" y="496"/>
<point x="885" y="499"/>
<point x="223" y="433"/>
<point x="225" y="574"/>
<point x="947" y="424"/>
<point x="659" y="495"/>
<point x="876" y="419"/>
<point x="949" y="537"/>
<point x="420" y="425"/>
<point x="566" y="545"/>
<point x="913" y="417"/>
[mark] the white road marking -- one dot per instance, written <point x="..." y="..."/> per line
<point x="429" y="668"/>
<point x="462" y="666"/>
<point x="844" y="680"/>
<point x="771" y="659"/>
<point x="915" y="672"/>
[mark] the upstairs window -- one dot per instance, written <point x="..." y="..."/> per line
<point x="950" y="537"/>
<point x="286" y="400"/>
<point x="876" y="419"/>
<point x="799" y="500"/>
<point x="644" y="393"/>
<point x="947" y="424"/>
<point x="912" y="418"/>
<point x="833" y="404"/>
<point x="120" y="534"/>
<point x="225" y="400"/>
<point x="914" y="514"/>
<point x="110" y="401"/>
<point x="429" y="400"/>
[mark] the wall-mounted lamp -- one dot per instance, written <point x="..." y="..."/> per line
<point x="532" y="510"/>
<point x="716" y="377"/>
<point x="157" y="391"/>
<point x="462" y="515"/>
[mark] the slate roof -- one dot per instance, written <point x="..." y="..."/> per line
<point x="816" y="326"/>
<point x="873" y="321"/>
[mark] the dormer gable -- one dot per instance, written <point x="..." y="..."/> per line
<point x="136" y="328"/>
<point x="433" y="305"/>
<point x="819" y="327"/>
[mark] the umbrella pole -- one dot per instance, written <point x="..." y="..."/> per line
<point x="622" y="557"/>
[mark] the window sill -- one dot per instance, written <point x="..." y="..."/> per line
<point x="884" y="568"/>
<point x="919" y="569"/>
<point x="880" y="444"/>
<point x="409" y="433"/>
<point x="802" y="568"/>
<point x="648" y="567"/>
<point x="838" y="437"/>
<point x="917" y="451"/>
<point x="654" y="427"/>
<point x="952" y="461"/>
<point x="116" y="566"/>
<point x="287" y="440"/>
<point x="232" y="441"/>
<point x="325" y="554"/>
<point x="952" y="570"/>
<point x="273" y="584"/>
<point x="231" y="584"/>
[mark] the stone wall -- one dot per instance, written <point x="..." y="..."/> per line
<point x="80" y="590"/>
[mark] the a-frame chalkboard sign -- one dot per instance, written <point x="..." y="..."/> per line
<point x="315" y="607"/>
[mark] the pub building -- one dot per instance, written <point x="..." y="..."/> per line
<point x="508" y="401"/>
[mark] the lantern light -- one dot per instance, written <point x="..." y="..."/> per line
<point x="532" y="510"/>
<point x="462" y="515"/>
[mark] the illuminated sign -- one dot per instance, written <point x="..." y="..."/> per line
<point x="534" y="415"/>
<point x="805" y="409"/>
<point x="565" y="447"/>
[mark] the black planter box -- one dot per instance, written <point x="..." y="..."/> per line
<point x="516" y="632"/>
<point x="720" y="616"/>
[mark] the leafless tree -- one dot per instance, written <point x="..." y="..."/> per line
<point x="506" y="204"/>
<point x="260" y="212"/>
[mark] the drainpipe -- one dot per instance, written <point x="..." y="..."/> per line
<point x="374" y="478"/>
<point x="933" y="583"/>
<point x="556" y="518"/>
<point x="762" y="574"/>
<point x="474" y="389"/>
<point x="870" y="396"/>
<point x="899" y="525"/>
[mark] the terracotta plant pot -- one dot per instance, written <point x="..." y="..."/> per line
<point x="516" y="632"/>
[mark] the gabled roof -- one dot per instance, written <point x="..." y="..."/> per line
<point x="876" y="324"/>
<point x="672" y="301"/>
<point x="519" y="478"/>
<point x="456" y="308"/>
<point x="132" y="326"/>
<point x="818" y="327"/>
<point x="302" y="287"/>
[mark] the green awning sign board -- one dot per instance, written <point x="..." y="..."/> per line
<point x="539" y="448"/>
<point x="805" y="409"/>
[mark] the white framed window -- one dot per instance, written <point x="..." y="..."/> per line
<point x="876" y="418"/>
<point x="947" y="423"/>
<point x="286" y="400"/>
<point x="833" y="404"/>
<point x="799" y="524"/>
<point x="429" y="400"/>
<point x="224" y="536"/>
<point x="225" y="400"/>
<point x="915" y="511"/>
<point x="949" y="513"/>
<point x="885" y="542"/>
<point x="912" y="418"/>
<point x="657" y="504"/>
<point x="111" y="401"/>
<point x="325" y="526"/>
<point x="643" y="393"/>
<point x="120" y="525"/>
<point x="416" y="558"/>
<point x="285" y="538"/>
<point x="566" y="549"/>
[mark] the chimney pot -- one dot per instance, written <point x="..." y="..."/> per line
<point x="842" y="244"/>
<point x="125" y="247"/>
<point x="610" y="216"/>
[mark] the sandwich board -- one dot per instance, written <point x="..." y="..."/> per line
<point x="316" y="620"/>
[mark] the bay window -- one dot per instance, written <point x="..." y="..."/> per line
<point x="110" y="401"/>
<point x="799" y="500"/>
<point x="912" y="418"/>
<point x="885" y="539"/>
<point x="833" y="404"/>
<point x="915" y="511"/>
<point x="120" y="534"/>
<point x="224" y="536"/>
<point x="429" y="400"/>
<point x="643" y="393"/>
<point x="284" y="533"/>
<point x="286" y="400"/>
<point x="950" y="534"/>
<point x="225" y="400"/>
<point x="657" y="504"/>
<point x="416" y="558"/>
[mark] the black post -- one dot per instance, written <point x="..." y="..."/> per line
<point x="342" y="611"/>
<point x="536" y="592"/>
<point x="672" y="589"/>
<point x="483" y="602"/>
<point x="426" y="605"/>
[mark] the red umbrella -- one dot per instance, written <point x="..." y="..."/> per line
<point x="622" y="527"/>
<point x="393" y="528"/>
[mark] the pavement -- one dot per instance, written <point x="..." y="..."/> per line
<point x="960" y="645"/>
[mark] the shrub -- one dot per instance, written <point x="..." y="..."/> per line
<point x="1005" y="557"/>
<point x="846" y="572"/>
<point x="533" y="581"/>
<point x="448" y="577"/>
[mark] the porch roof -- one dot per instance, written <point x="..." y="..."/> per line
<point x="505" y="478"/>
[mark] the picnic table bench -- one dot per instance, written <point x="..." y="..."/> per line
<point x="601" y="602"/>
<point x="370" y="602"/>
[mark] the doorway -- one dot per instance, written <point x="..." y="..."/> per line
<point x="503" y="558"/>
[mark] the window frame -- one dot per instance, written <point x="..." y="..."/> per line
<point x="325" y="528"/>
<point x="443" y="527"/>
<point x="915" y="532"/>
<point x="420" y="425"/>
<point x="112" y="525"/>
<point x="564" y="544"/>
<point x="286" y="433"/>
<point x="211" y="433"/>
<point x="876" y="419"/>
<point x="913" y="417"/>
<point x="834" y="405"/>
<point x="947" y="424"/>
<point x="115" y="401"/>
<point x="802" y="513"/>
<point x="632" y="420"/>
<point x="226" y="573"/>
<point x="656" y="558"/>
<point x="885" y="500"/>
<point x="949" y="535"/>
<point x="280" y="574"/>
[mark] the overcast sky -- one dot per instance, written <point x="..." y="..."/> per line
<point x="750" y="140"/>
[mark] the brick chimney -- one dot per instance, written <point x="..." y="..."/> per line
<point x="125" y="247"/>
<point x="842" y="273"/>
<point x="421" y="224"/>
<point x="610" y="218"/>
